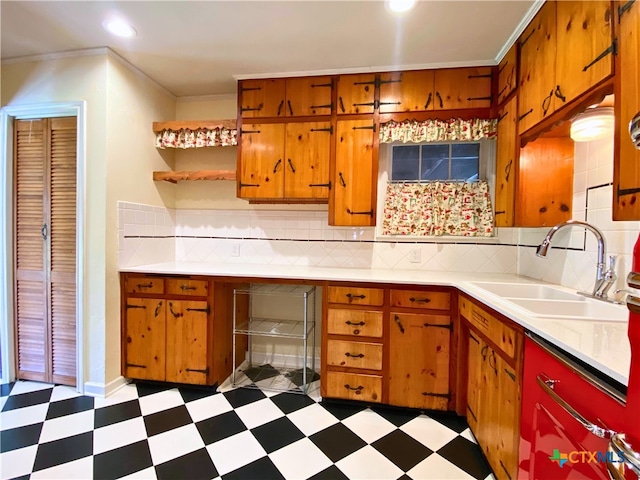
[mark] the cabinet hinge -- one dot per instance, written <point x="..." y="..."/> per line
<point x="369" y="212"/>
<point x="489" y="98"/>
<point x="244" y="89"/>
<point x="525" y="114"/>
<point x="512" y="375"/>
<point x="474" y="339"/>
<point x="627" y="191"/>
<point x="248" y="184"/>
<point x="242" y="132"/>
<point x="441" y="395"/>
<point x="321" y="85"/>
<point x="330" y="129"/>
<point x="486" y="75"/>
<point x="136" y="306"/>
<point x="448" y="326"/>
<point x="505" y="469"/>
<point x="195" y="370"/>
<point x="252" y="109"/>
<point x="622" y="9"/>
<point x="205" y="310"/>
<point x="499" y="212"/>
<point x="472" y="414"/>
<point x="503" y="115"/>
<point x="372" y="127"/>
<point x="612" y="49"/>
<point x="328" y="105"/>
<point x="328" y="185"/>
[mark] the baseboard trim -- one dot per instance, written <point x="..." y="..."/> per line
<point x="95" y="389"/>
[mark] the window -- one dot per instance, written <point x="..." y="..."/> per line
<point x="436" y="161"/>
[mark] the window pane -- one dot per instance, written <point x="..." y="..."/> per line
<point x="405" y="163"/>
<point x="465" y="161"/>
<point x="435" y="162"/>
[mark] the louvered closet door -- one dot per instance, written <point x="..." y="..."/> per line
<point x="45" y="219"/>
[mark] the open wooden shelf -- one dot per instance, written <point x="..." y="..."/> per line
<point x="230" y="124"/>
<point x="173" y="177"/>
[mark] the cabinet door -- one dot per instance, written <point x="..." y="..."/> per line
<point x="507" y="73"/>
<point x="506" y="164"/>
<point x="187" y="335"/>
<point x="406" y="91"/>
<point x="537" y="68"/>
<point x="309" y="96"/>
<point x="145" y="339"/>
<point x="262" y="98"/>
<point x="419" y="360"/>
<point x="356" y="93"/>
<point x="626" y="164"/>
<point x="355" y="175"/>
<point x="583" y="34"/>
<point x="307" y="160"/>
<point x="474" y="383"/>
<point x="457" y="88"/>
<point x="545" y="186"/>
<point x="261" y="172"/>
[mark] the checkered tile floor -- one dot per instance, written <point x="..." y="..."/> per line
<point x="145" y="431"/>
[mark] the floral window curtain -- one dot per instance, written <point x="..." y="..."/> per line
<point x="202" y="137"/>
<point x="455" y="129"/>
<point x="438" y="208"/>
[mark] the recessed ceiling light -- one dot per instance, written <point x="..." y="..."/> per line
<point x="119" y="28"/>
<point x="400" y="5"/>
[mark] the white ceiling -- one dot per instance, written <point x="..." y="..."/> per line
<point x="201" y="48"/>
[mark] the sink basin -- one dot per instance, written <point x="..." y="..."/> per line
<point x="523" y="290"/>
<point x="579" y="310"/>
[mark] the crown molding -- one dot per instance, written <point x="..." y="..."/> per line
<point x="126" y="63"/>
<point x="535" y="8"/>
<point x="85" y="52"/>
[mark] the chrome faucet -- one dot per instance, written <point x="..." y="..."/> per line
<point x="604" y="279"/>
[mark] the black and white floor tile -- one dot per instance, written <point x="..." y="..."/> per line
<point x="148" y="432"/>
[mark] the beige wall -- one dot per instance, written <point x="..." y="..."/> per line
<point x="216" y="195"/>
<point x="134" y="102"/>
<point x="120" y="156"/>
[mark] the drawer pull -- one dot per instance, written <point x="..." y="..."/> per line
<point x="598" y="431"/>
<point x="354" y="355"/>
<point x="359" y="324"/>
<point x="136" y="306"/>
<point x="420" y="300"/>
<point x="351" y="296"/>
<point x="145" y="285"/>
<point x="357" y="390"/>
<point x="187" y="287"/>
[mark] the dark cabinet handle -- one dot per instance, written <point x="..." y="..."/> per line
<point x="359" y="324"/>
<point x="493" y="364"/>
<point x="290" y="109"/>
<point x="275" y="167"/>
<point x="547" y="101"/>
<point x="354" y="355"/>
<point x="158" y="307"/>
<point x="186" y="287"/>
<point x="351" y="296"/>
<point x="342" y="182"/>
<point x="420" y="300"/>
<point x="280" y="107"/>
<point x="293" y="169"/>
<point x="507" y="170"/>
<point x="426" y="105"/>
<point x="483" y="352"/>
<point x="175" y="314"/>
<point x="399" y="323"/>
<point x="145" y="285"/>
<point x="440" y="99"/>
<point x="558" y="94"/>
<point x="341" y="105"/>
<point x="357" y="389"/>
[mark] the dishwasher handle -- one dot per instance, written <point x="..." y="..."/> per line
<point x="547" y="385"/>
<point x="627" y="458"/>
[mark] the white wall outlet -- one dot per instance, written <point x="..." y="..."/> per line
<point x="235" y="250"/>
<point x="414" y="256"/>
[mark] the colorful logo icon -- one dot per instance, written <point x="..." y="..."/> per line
<point x="561" y="458"/>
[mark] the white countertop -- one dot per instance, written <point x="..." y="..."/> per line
<point x="602" y="344"/>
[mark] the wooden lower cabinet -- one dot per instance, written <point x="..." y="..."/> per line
<point x="354" y="386"/>
<point x="176" y="329"/>
<point x="494" y="386"/>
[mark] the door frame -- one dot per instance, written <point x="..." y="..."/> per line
<point x="7" y="292"/>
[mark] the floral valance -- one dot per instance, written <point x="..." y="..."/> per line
<point x="202" y="137"/>
<point x="455" y="129"/>
<point x="438" y="208"/>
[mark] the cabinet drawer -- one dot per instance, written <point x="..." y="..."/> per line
<point x="354" y="354"/>
<point x="144" y="285"/>
<point x="502" y="335"/>
<point x="352" y="386"/>
<point x="420" y="299"/>
<point x="356" y="296"/>
<point x="185" y="286"/>
<point x="364" y="323"/>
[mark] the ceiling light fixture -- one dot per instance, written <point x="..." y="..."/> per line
<point x="119" y="28"/>
<point x="592" y="124"/>
<point x="400" y="6"/>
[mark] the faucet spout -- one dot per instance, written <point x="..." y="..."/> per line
<point x="542" y="250"/>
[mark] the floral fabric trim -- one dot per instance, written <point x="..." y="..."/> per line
<point x="437" y="130"/>
<point x="438" y="208"/>
<point x="186" y="138"/>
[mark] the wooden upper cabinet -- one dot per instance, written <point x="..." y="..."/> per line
<point x="356" y="93"/>
<point x="506" y="163"/>
<point x="537" y="68"/>
<point x="406" y="91"/>
<point x="262" y="161"/>
<point x="262" y="98"/>
<point x="307" y="160"/>
<point x="309" y="96"/>
<point x="584" y="47"/>
<point x="544" y="199"/>
<point x="626" y="164"/>
<point x="352" y="202"/>
<point x="457" y="88"/>
<point x="508" y="73"/>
